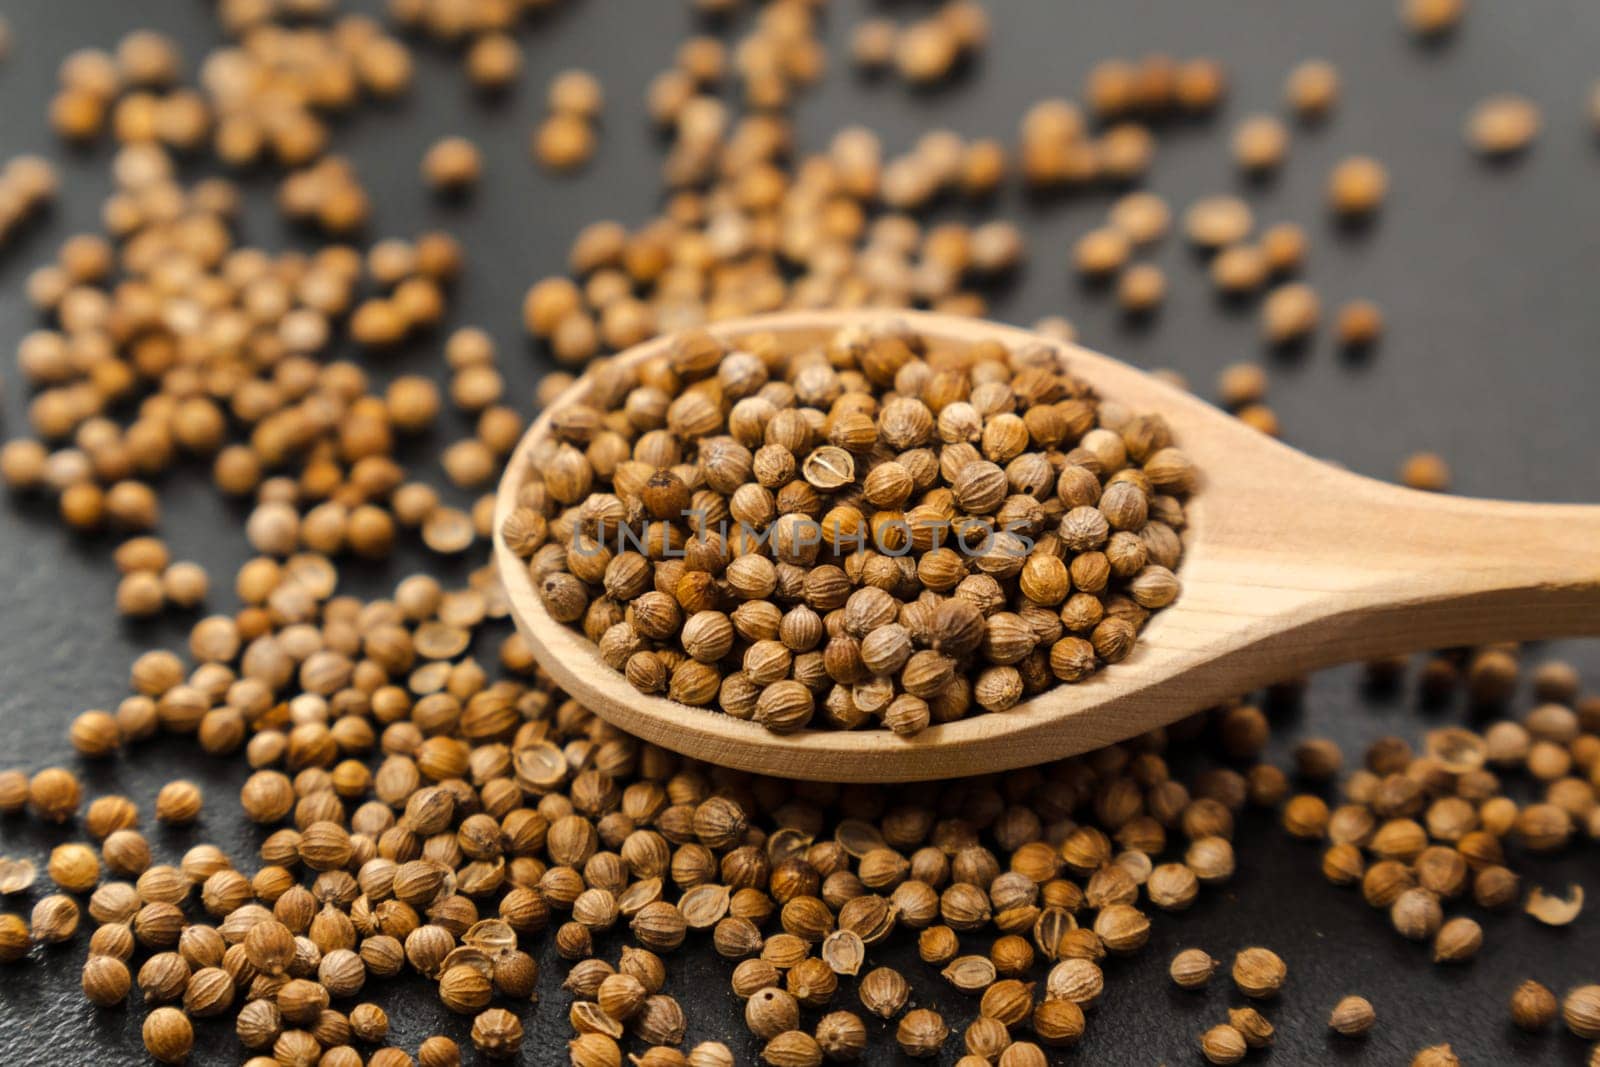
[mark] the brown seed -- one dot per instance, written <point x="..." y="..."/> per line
<point x="1457" y="941"/>
<point x="1502" y="125"/>
<point x="168" y="1035"/>
<point x="564" y="142"/>
<point x="1533" y="1007"/>
<point x="55" y="919"/>
<point x="872" y="43"/>
<point x="1416" y="914"/>
<point x="1123" y="928"/>
<point x="74" y="867"/>
<point x="841" y="1035"/>
<point x="1079" y="981"/>
<point x="1431" y="18"/>
<point x="926" y="51"/>
<point x="1359" y="324"/>
<point x="1058" y="1023"/>
<point x="105" y="981"/>
<point x="1436" y="1056"/>
<point x="452" y="165"/>
<point x="54" y="794"/>
<point x="921" y="1033"/>
<point x="1357" y="186"/>
<point x="14" y="938"/>
<point x="1259" y="144"/>
<point x="493" y="61"/>
<point x="270" y="947"/>
<point x="1425" y="471"/>
<point x="1312" y="89"/>
<point x="178" y="803"/>
<point x="497" y="1033"/>
<point x="1101" y="252"/>
<point x="1352" y="1017"/>
<point x="1141" y="289"/>
<point x="465" y="989"/>
<point x="1239" y="269"/>
<point x="1580" y="1009"/>
<point x="1259" y="973"/>
<point x="1223" y="1044"/>
<point x="1192" y="968"/>
<point x="576" y="92"/>
<point x="1142" y="217"/>
<point x="883" y="992"/>
<point x="1254" y="1027"/>
<point x="1218" y="221"/>
<point x="1290" y="313"/>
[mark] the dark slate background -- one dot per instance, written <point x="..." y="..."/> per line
<point x="1486" y="275"/>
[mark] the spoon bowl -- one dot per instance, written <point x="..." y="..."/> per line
<point x="1290" y="564"/>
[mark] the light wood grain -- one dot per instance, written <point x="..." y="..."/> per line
<point x="1290" y="564"/>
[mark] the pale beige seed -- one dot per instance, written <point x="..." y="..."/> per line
<point x="1142" y="216"/>
<point x="1502" y="125"/>
<point x="1214" y="222"/>
<point x="970" y="974"/>
<point x="1290" y="313"/>
<point x="1312" y="88"/>
<point x="16" y="875"/>
<point x="1260" y="144"/>
<point x="1553" y="910"/>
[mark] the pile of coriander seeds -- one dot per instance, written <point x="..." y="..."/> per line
<point x="433" y="811"/>
<point x="865" y="530"/>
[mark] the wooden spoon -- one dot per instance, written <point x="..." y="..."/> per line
<point x="1290" y="564"/>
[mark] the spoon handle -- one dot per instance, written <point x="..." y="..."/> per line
<point x="1483" y="570"/>
<point x="1383" y="570"/>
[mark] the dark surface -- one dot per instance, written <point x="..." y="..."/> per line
<point x="1485" y="274"/>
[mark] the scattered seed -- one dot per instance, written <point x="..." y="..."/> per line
<point x="1553" y="910"/>
<point x="1312" y="89"/>
<point x="1352" y="1017"/>
<point x="1502" y="125"/>
<point x="1533" y="1007"/>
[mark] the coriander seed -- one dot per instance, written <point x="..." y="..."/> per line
<point x="168" y="1035"/>
<point x="1357" y="186"/>
<point x="105" y="981"/>
<point x="74" y="867"/>
<point x="1259" y="973"/>
<point x="54" y="794"/>
<point x="55" y="919"/>
<point x="921" y="1033"/>
<point x="1457" y="941"/>
<point x="1252" y="1026"/>
<point x="452" y="165"/>
<point x="1312" y="89"/>
<point x="1223" y="1044"/>
<point x="1580" y="1009"/>
<point x="1352" y="1017"/>
<point x="178" y="803"/>
<point x="1533" y="1007"/>
<point x="1192" y="968"/>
